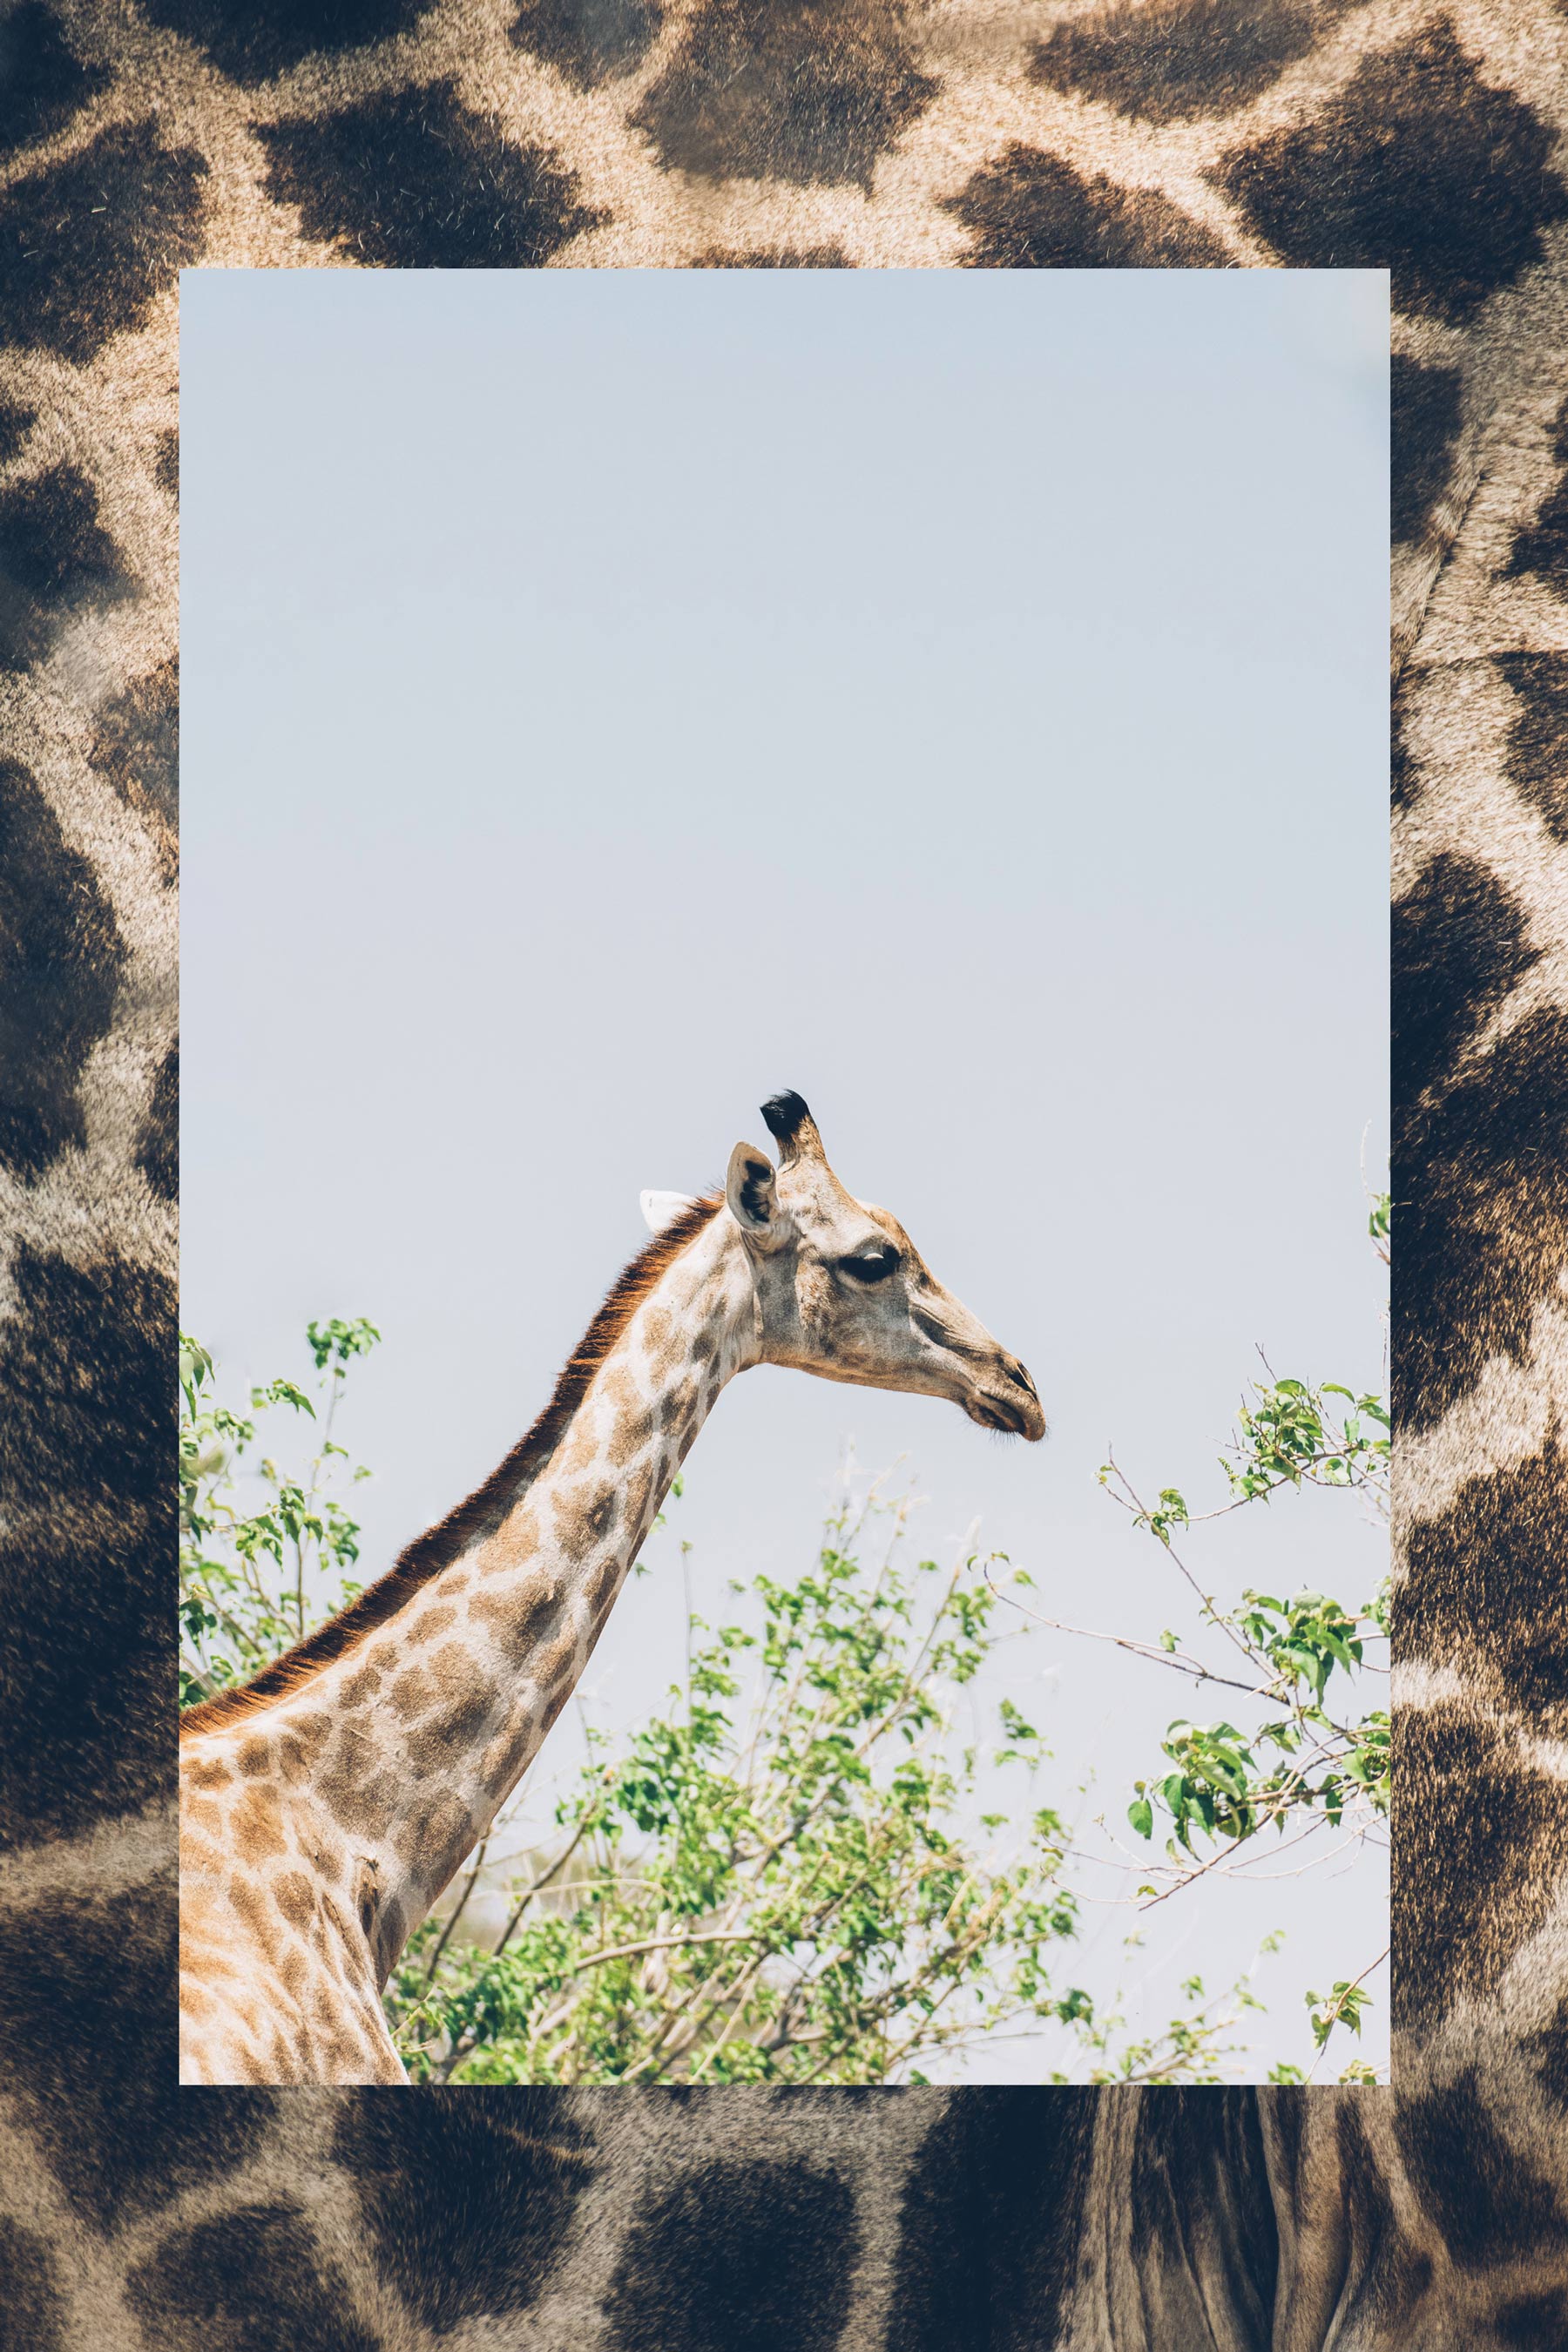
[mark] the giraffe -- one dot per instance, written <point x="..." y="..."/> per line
<point x="1100" y="134"/>
<point x="327" y="1803"/>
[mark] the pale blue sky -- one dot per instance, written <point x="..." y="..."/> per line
<point x="613" y="697"/>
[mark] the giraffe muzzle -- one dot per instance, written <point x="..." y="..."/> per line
<point x="1016" y="1410"/>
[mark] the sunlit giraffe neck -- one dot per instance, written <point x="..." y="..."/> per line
<point x="327" y="1805"/>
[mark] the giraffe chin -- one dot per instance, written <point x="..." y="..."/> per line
<point x="1007" y="1418"/>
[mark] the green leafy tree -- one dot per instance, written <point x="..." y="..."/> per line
<point x="785" y="1875"/>
<point x="253" y="1580"/>
<point x="1311" y="1755"/>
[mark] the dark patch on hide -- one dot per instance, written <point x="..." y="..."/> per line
<point x="1199" y="2176"/>
<point x="87" y="2007"/>
<point x="737" y="2257"/>
<point x="1488" y="2204"/>
<point x="42" y="82"/>
<point x="30" y="2309"/>
<point x="1534" y="2323"/>
<point x="1418" y="166"/>
<point x="1482" y="1187"/>
<point x="251" y="2281"/>
<point x="1031" y="211"/>
<point x="805" y="90"/>
<point x="990" y="2219"/>
<point x="61" y="957"/>
<point x="55" y="561"/>
<point x="251" y="40"/>
<point x="493" y="2173"/>
<point x="17" y="421"/>
<point x="87" y="245"/>
<point x="1480" y="1841"/>
<point x="1176" y="58"/>
<point x="589" y="41"/>
<point x="158" y="1147"/>
<point x="87" y="1506"/>
<point x="1486" y="1585"/>
<point x="1458" y="947"/>
<point x="1537" y="754"/>
<point x="1480" y="1165"/>
<point x="137" y="748"/>
<point x="1424" y="425"/>
<point x="412" y="180"/>
<point x="1540" y="551"/>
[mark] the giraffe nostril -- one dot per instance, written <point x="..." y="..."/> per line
<point x="1020" y="1378"/>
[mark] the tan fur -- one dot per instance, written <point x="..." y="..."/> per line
<point x="404" y="1746"/>
<point x="430" y="1552"/>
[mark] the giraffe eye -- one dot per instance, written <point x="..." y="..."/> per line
<point x="869" y="1266"/>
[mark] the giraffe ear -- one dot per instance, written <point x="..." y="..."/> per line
<point x="661" y="1208"/>
<point x="749" y="1190"/>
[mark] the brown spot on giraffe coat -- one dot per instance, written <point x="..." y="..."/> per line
<point x="414" y="1693"/>
<point x="360" y="1796"/>
<point x="426" y="1623"/>
<point x="434" y="1838"/>
<point x="508" y="1752"/>
<point x="436" y="1745"/>
<point x="631" y="1435"/>
<point x="296" y="1898"/>
<point x="255" y="1908"/>
<point x="257" y="1826"/>
<point x="520" y="1625"/>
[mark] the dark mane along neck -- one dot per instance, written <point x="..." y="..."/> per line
<point x="480" y="1512"/>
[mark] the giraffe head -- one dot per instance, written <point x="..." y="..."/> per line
<point x="843" y="1292"/>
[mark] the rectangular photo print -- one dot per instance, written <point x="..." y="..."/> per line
<point x="783" y="1428"/>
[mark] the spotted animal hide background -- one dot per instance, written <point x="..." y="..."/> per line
<point x="138" y="137"/>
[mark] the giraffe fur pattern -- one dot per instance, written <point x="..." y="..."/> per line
<point x="138" y="137"/>
<point x="328" y="1802"/>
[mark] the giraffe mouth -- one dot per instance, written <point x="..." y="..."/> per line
<point x="998" y="1412"/>
<point x="1014" y="1409"/>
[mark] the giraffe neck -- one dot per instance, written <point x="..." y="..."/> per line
<point x="421" y="1732"/>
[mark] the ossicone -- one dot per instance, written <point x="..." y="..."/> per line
<point x="793" y="1128"/>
